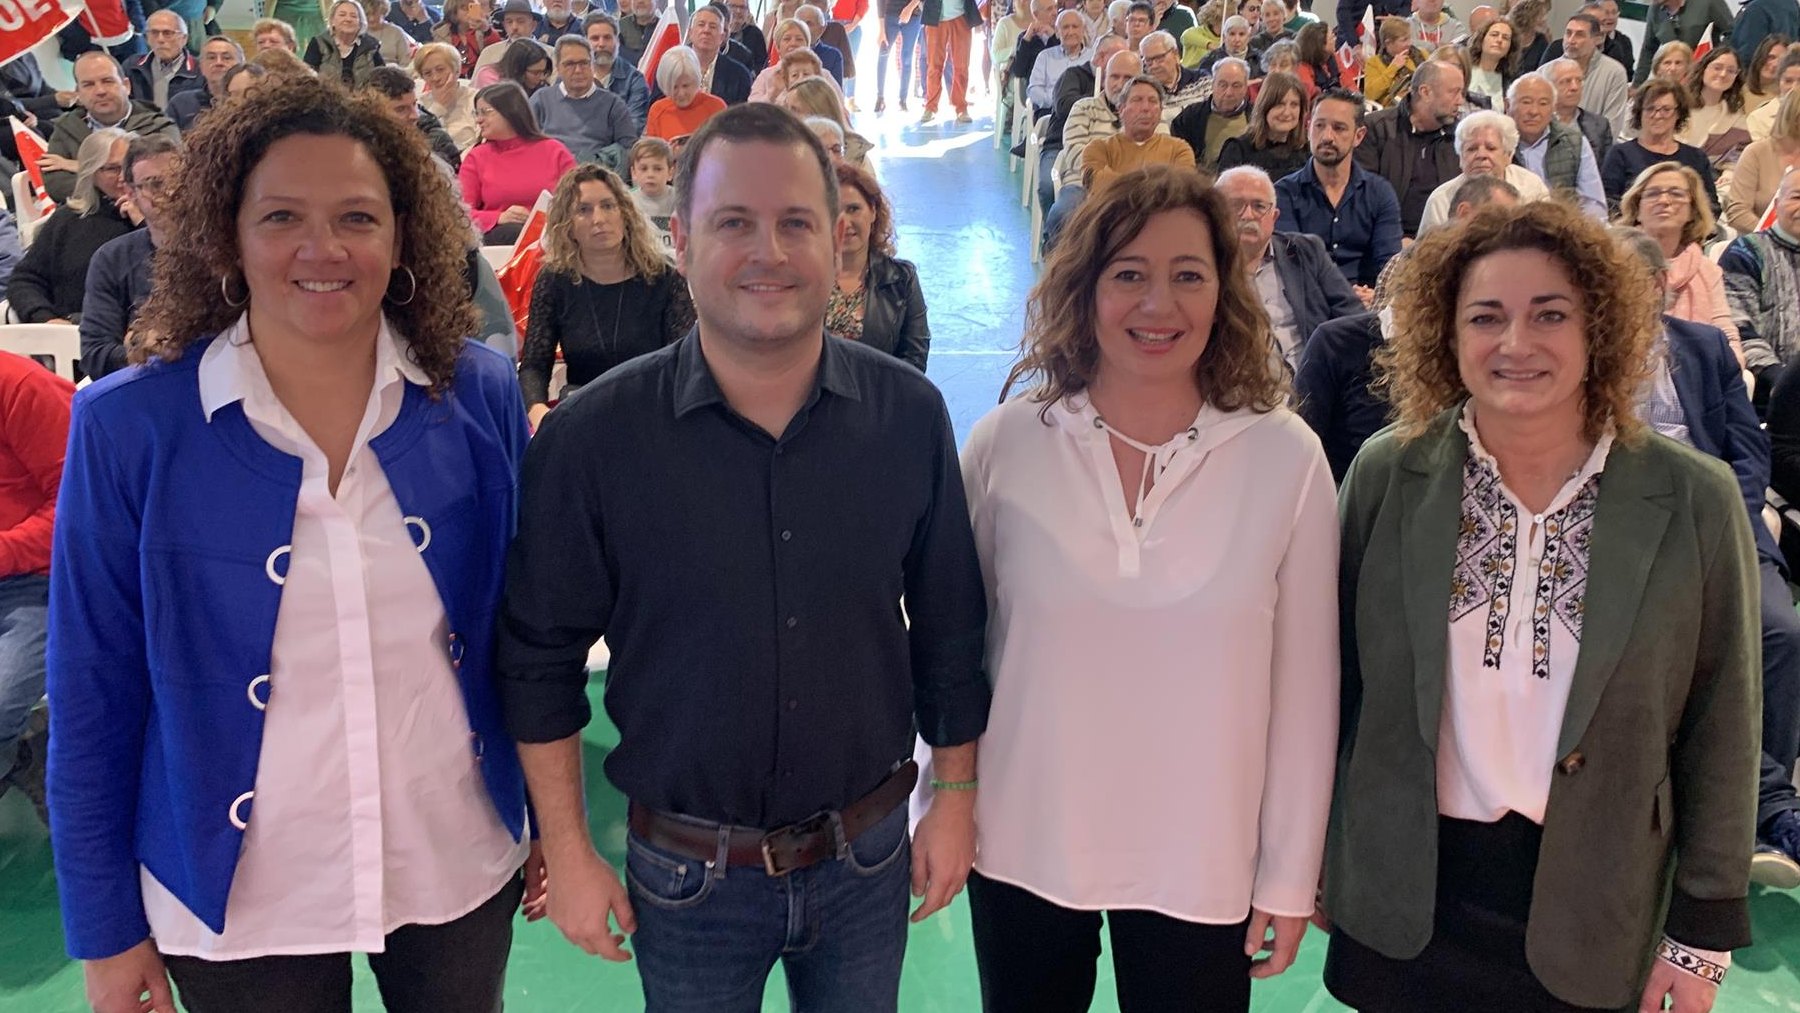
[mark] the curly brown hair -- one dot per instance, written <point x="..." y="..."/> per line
<point x="881" y="231"/>
<point x="1060" y="353"/>
<point x="1621" y="314"/>
<point x="202" y="250"/>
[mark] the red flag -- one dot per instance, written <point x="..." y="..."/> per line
<point x="31" y="148"/>
<point x="519" y="273"/>
<point x="1769" y="216"/>
<point x="1349" y="62"/>
<point x="106" y="22"/>
<point x="1701" y="50"/>
<point x="25" y="23"/>
<point x="664" y="37"/>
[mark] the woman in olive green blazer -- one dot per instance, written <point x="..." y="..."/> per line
<point x="1565" y="827"/>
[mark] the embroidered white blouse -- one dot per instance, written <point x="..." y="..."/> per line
<point x="1164" y="720"/>
<point x="368" y="816"/>
<point x="1515" y="629"/>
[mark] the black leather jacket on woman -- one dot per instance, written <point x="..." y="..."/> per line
<point x="894" y="311"/>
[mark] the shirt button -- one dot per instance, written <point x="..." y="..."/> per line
<point x="787" y="536"/>
<point x="792" y="622"/>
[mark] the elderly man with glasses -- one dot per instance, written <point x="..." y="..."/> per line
<point x="1182" y="87"/>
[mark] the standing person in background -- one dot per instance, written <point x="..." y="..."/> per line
<point x="948" y="28"/>
<point x="811" y="484"/>
<point x="900" y="24"/>
<point x="1684" y="21"/>
<point x="877" y="299"/>
<point x="606" y="291"/>
<point x="1758" y="19"/>
<point x="34" y="432"/>
<point x="1155" y="407"/>
<point x="851" y="14"/>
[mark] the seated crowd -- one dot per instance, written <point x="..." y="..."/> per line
<point x="1477" y="234"/>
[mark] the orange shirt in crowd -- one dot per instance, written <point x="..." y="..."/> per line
<point x="669" y="121"/>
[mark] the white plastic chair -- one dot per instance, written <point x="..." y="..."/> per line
<point x="999" y="90"/>
<point x="25" y="209"/>
<point x="497" y="256"/>
<point x="60" y="343"/>
<point x="1022" y="115"/>
<point x="1034" y="152"/>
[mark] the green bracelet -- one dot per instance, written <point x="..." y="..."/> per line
<point x="938" y="785"/>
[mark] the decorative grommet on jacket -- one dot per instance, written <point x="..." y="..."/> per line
<point x="423" y="541"/>
<point x="237" y="804"/>
<point x="269" y="564"/>
<point x="250" y="691"/>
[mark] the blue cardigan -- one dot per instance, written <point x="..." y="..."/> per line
<point x="163" y="598"/>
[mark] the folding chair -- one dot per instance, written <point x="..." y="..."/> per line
<point x="25" y="209"/>
<point x="60" y="343"/>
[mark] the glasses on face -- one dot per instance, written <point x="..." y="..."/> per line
<point x="161" y="33"/>
<point x="1662" y="110"/>
<point x="1159" y="57"/>
<point x="155" y="186"/>
<point x="111" y="169"/>
<point x="1257" y="208"/>
<point x="568" y="65"/>
<point x="1663" y="193"/>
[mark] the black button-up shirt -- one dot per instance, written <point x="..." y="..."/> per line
<point x="749" y="588"/>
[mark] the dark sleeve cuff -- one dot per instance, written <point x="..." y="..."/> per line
<point x="545" y="710"/>
<point x="954" y="714"/>
<point x="1708" y="924"/>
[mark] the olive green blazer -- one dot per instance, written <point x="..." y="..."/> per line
<point x="1651" y="815"/>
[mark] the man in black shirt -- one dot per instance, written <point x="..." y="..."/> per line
<point x="741" y="515"/>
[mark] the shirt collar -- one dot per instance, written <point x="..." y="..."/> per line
<point x="592" y="87"/>
<point x="231" y="370"/>
<point x="1594" y="465"/>
<point x="695" y="387"/>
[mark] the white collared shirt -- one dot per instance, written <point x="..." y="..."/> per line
<point x="1516" y="602"/>
<point x="1165" y="704"/>
<point x="369" y="810"/>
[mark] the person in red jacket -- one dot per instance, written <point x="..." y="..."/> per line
<point x="34" y="429"/>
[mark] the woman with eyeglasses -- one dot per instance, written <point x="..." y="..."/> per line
<point x="1717" y="120"/>
<point x="515" y="162"/>
<point x="1669" y="204"/>
<point x="1659" y="112"/>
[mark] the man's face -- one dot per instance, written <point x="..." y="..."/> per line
<point x="1532" y="105"/>
<point x="1141" y="112"/>
<point x="605" y="41"/>
<point x="1137" y="25"/>
<point x="1333" y="133"/>
<point x="557" y="11"/>
<point x="1567" y="80"/>
<point x="1119" y="70"/>
<point x="706" y="33"/>
<point x="1071" y="31"/>
<point x="517" y="26"/>
<point x="1043" y="17"/>
<point x="1578" y="41"/>
<point x="1252" y="204"/>
<point x="1609" y="17"/>
<point x="405" y="107"/>
<point x="759" y="248"/>
<point x="1443" y="100"/>
<point x="1162" y="60"/>
<point x="1498" y="199"/>
<point x="740" y="14"/>
<point x="1230" y="86"/>
<point x="814" y="20"/>
<point x="576" y="68"/>
<point x="217" y="57"/>
<point x="149" y="186"/>
<point x="100" y="89"/>
<point x="643" y="10"/>
<point x="166" y="34"/>
<point x="1428" y="9"/>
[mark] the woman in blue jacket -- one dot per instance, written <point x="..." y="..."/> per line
<point x="279" y="549"/>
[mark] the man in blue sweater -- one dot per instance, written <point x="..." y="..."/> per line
<point x="592" y="122"/>
<point x="118" y="278"/>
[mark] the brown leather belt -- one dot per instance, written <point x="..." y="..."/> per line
<point x="823" y="835"/>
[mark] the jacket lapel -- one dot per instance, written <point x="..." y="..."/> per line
<point x="1629" y="520"/>
<point x="1431" y="497"/>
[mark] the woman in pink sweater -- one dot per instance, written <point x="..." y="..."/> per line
<point x="502" y="176"/>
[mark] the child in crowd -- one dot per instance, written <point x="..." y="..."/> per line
<point x="652" y="170"/>
<point x="1388" y="74"/>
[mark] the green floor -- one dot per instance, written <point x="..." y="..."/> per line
<point x="547" y="975"/>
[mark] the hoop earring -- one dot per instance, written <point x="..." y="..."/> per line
<point x="412" y="287"/>
<point x="225" y="292"/>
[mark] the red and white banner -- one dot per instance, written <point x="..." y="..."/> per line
<point x="1769" y="216"/>
<point x="25" y="23"/>
<point x="32" y="148"/>
<point x="519" y="273"/>
<point x="664" y="37"/>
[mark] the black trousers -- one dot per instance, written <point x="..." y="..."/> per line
<point x="1781" y="698"/>
<point x="1038" y="957"/>
<point x="456" y="967"/>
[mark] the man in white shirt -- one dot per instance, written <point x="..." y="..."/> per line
<point x="1606" y="86"/>
<point x="1047" y="70"/>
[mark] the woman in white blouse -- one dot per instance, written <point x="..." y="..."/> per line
<point x="444" y="95"/>
<point x="1159" y="542"/>
<point x="1550" y="643"/>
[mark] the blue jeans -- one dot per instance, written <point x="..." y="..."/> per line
<point x="1065" y="205"/>
<point x="24" y="627"/>
<point x="908" y="36"/>
<point x="706" y="940"/>
<point x="855" y="36"/>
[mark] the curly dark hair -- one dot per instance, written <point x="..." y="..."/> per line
<point x="225" y="147"/>
<point x="1060" y="353"/>
<point x="1621" y="314"/>
<point x="881" y="231"/>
